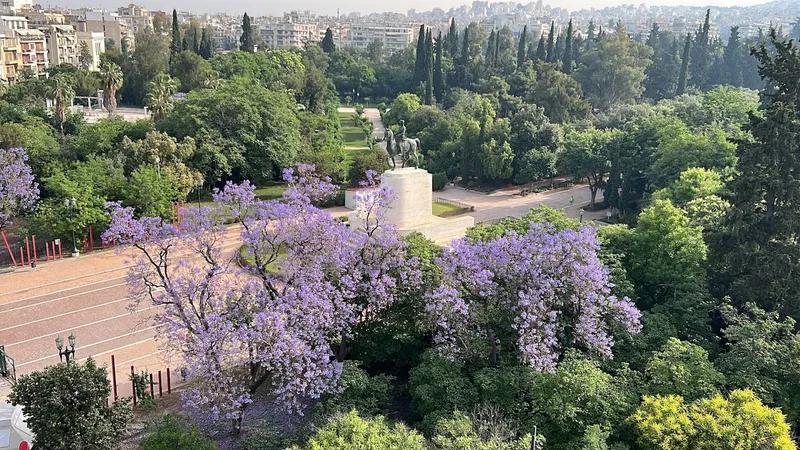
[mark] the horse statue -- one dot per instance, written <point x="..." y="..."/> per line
<point x="406" y="148"/>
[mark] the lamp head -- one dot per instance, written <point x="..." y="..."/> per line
<point x="71" y="339"/>
<point x="59" y="343"/>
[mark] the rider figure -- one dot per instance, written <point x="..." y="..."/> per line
<point x="401" y="132"/>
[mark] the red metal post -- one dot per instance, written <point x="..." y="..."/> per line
<point x="35" y="257"/>
<point x="60" y="250"/>
<point x="160" y="385"/>
<point x="22" y="257"/>
<point x="28" y="247"/>
<point x="114" y="376"/>
<point x="10" y="253"/>
<point x="91" y="239"/>
<point x="169" y="385"/>
<point x="47" y="250"/>
<point x="133" y="383"/>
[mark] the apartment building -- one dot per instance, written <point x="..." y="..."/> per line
<point x="10" y="58"/>
<point x="12" y="7"/>
<point x="33" y="50"/>
<point x="45" y="18"/>
<point x="97" y="46"/>
<point x="288" y="35"/>
<point x="393" y="36"/>
<point x="13" y="23"/>
<point x="136" y="18"/>
<point x="62" y="44"/>
<point x="104" y="22"/>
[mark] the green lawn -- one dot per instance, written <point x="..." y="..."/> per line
<point x="444" y="208"/>
<point x="271" y="192"/>
<point x="352" y="136"/>
<point x="246" y="258"/>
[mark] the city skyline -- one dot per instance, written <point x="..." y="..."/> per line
<point x="278" y="7"/>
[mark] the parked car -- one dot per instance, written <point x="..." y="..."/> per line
<point x="14" y="433"/>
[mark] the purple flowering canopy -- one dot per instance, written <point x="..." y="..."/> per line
<point x="545" y="287"/>
<point x="278" y="319"/>
<point x="18" y="190"/>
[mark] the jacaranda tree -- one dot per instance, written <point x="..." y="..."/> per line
<point x="18" y="191"/>
<point x="535" y="293"/>
<point x="287" y="317"/>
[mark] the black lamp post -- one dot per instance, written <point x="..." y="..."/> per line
<point x="581" y="215"/>
<point x="68" y="352"/>
<point x="70" y="204"/>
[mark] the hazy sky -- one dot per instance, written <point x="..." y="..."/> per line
<point x="277" y="7"/>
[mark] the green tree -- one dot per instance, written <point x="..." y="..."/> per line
<point x="152" y="192"/>
<point x="567" y="59"/>
<point x="703" y="58"/>
<point x="420" y="61"/>
<point x="50" y="408"/>
<point x="246" y="41"/>
<point x="682" y="368"/>
<point x="614" y="71"/>
<point x="174" y="433"/>
<point x="176" y="45"/>
<point x="541" y="50"/>
<point x="732" y="59"/>
<point x="522" y="47"/>
<point x="558" y="93"/>
<point x="191" y="70"/>
<point x="551" y="49"/>
<point x="351" y="432"/>
<point x="684" y="74"/>
<point x="438" y="72"/>
<point x="159" y="96"/>
<point x="85" y="57"/>
<point x="206" y="49"/>
<point x="461" y="432"/>
<point x="62" y="92"/>
<point x="111" y="74"/>
<point x="403" y="108"/>
<point x="585" y="155"/>
<point x="739" y="421"/>
<point x="662" y="75"/>
<point x="327" y="44"/>
<point x="694" y="183"/>
<point x="429" y="63"/>
<point x="452" y="37"/>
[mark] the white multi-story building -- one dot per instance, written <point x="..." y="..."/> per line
<point x="62" y="44"/>
<point x="288" y="34"/>
<point x="135" y="17"/>
<point x="14" y="6"/>
<point x="13" y="23"/>
<point x="393" y="36"/>
<point x="97" y="46"/>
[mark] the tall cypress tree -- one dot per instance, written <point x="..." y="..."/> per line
<point x="491" y="48"/>
<point x="246" y="41"/>
<point x="731" y="59"/>
<point x="206" y="45"/>
<point x="176" y="46"/>
<point x="541" y="52"/>
<point x="551" y="43"/>
<point x="757" y="258"/>
<point x="196" y="38"/>
<point x="452" y="37"/>
<point x="496" y="62"/>
<point x="701" y="59"/>
<point x="429" y="68"/>
<point x="567" y="67"/>
<point x="462" y="63"/>
<point x="687" y="48"/>
<point x="419" y="63"/>
<point x="522" y="48"/>
<point x="438" y="76"/>
<point x="327" y="44"/>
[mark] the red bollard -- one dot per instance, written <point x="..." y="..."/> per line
<point x="114" y="376"/>
<point x="152" y="395"/>
<point x="91" y="239"/>
<point x="8" y="247"/>
<point x="22" y="257"/>
<point x="133" y="383"/>
<point x="28" y="248"/>
<point x="35" y="257"/>
<point x="169" y="385"/>
<point x="160" y="385"/>
<point x="60" y="250"/>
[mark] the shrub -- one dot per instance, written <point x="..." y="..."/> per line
<point x="351" y="432"/>
<point x="368" y="394"/>
<point x="437" y="386"/>
<point x="440" y="180"/>
<point x="363" y="162"/>
<point x="174" y="433"/>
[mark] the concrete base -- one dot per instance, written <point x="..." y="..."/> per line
<point x="412" y="209"/>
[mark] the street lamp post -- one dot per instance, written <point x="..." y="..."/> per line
<point x="66" y="353"/>
<point x="581" y="215"/>
<point x="70" y="204"/>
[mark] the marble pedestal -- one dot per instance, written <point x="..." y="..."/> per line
<point x="412" y="209"/>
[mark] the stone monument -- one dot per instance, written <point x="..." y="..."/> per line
<point x="412" y="209"/>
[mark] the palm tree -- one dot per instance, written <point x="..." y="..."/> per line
<point x="61" y="92"/>
<point x="159" y="95"/>
<point x="111" y="75"/>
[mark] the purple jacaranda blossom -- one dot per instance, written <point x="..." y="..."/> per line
<point x="18" y="190"/>
<point x="275" y="321"/>
<point x="548" y="287"/>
